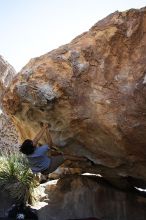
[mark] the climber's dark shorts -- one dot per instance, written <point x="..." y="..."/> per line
<point x="56" y="161"/>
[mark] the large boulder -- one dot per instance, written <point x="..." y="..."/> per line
<point x="84" y="197"/>
<point x="92" y="94"/>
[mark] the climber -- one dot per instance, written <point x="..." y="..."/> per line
<point x="39" y="159"/>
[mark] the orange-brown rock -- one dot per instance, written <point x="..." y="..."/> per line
<point x="82" y="197"/>
<point x="92" y="92"/>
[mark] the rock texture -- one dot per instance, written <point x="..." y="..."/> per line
<point x="7" y="72"/>
<point x="8" y="135"/>
<point x="92" y="93"/>
<point x="81" y="197"/>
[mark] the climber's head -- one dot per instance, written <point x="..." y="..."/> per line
<point x="27" y="147"/>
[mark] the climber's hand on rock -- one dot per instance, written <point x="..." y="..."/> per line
<point x="45" y="125"/>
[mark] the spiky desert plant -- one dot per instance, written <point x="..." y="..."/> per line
<point x="16" y="177"/>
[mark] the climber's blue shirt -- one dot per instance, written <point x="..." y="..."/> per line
<point x="39" y="160"/>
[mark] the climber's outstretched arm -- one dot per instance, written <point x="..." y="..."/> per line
<point x="39" y="135"/>
<point x="49" y="139"/>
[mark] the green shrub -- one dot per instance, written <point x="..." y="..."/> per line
<point x="16" y="177"/>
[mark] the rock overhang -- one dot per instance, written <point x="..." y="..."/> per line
<point x="92" y="94"/>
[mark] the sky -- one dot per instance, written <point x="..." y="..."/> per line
<point x="30" y="28"/>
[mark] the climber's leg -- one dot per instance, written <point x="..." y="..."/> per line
<point x="74" y="158"/>
<point x="56" y="161"/>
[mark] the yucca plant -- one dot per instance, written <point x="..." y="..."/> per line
<point x="16" y="177"/>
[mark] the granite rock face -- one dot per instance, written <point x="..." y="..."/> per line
<point x="7" y="72"/>
<point x="92" y="94"/>
<point x="83" y="197"/>
<point x="8" y="133"/>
